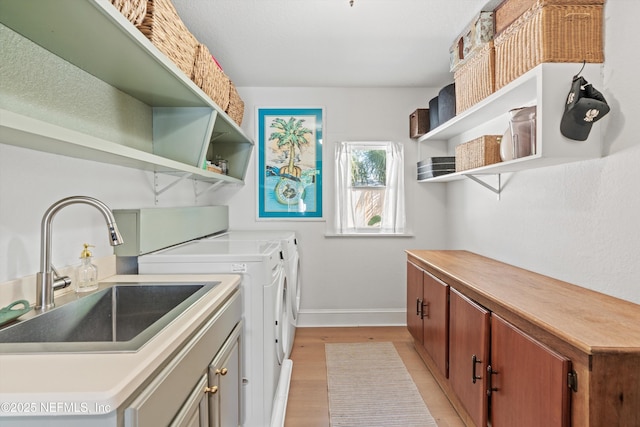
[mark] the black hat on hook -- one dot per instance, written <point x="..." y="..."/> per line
<point x="584" y="106"/>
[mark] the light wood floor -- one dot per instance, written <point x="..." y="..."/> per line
<point x="308" y="404"/>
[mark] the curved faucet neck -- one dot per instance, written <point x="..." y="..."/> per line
<point x="45" y="279"/>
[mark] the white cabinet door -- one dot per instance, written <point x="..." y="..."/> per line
<point x="225" y="374"/>
<point x="195" y="411"/>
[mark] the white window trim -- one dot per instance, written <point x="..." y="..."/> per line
<point x="394" y="219"/>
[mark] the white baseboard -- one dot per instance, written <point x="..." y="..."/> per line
<point x="345" y="318"/>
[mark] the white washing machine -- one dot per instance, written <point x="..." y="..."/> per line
<point x="289" y="244"/>
<point x="266" y="370"/>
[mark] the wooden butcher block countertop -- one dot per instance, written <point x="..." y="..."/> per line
<point x="589" y="321"/>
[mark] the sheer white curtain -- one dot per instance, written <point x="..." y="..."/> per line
<point x="379" y="208"/>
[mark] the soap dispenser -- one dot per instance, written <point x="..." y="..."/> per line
<point x="87" y="273"/>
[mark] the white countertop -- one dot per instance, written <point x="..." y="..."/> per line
<point x="97" y="383"/>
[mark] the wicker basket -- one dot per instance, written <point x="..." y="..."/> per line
<point x="133" y="10"/>
<point x="210" y="78"/>
<point x="478" y="152"/>
<point x="236" y="105"/>
<point x="164" y="28"/>
<point x="549" y="33"/>
<point x="509" y="10"/>
<point x="476" y="78"/>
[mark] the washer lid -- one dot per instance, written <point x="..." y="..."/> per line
<point x="286" y="237"/>
<point x="257" y="235"/>
<point x="210" y="250"/>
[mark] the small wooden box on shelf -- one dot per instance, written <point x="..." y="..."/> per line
<point x="418" y="123"/>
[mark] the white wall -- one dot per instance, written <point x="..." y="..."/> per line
<point x="346" y="279"/>
<point x="576" y="222"/>
<point x="30" y="181"/>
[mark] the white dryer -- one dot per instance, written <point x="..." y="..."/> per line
<point x="266" y="370"/>
<point x="289" y="244"/>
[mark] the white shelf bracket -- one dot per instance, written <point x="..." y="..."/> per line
<point x="496" y="190"/>
<point x="157" y="191"/>
<point x="206" y="190"/>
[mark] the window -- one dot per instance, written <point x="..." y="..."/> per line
<point x="370" y="188"/>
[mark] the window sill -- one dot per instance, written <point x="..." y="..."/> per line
<point x="385" y="235"/>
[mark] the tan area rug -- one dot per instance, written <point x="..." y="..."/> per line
<point x="370" y="386"/>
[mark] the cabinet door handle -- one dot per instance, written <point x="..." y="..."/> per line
<point x="418" y="307"/>
<point x="222" y="371"/>
<point x="490" y="388"/>
<point x="474" y="362"/>
<point x="423" y="315"/>
<point x="211" y="390"/>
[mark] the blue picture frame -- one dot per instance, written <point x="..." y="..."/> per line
<point x="289" y="162"/>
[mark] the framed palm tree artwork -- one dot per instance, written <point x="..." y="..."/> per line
<point x="289" y="162"/>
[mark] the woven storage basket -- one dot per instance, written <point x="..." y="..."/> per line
<point x="236" y="105"/>
<point x="164" y="28"/>
<point x="210" y="78"/>
<point x="509" y="10"/>
<point x="476" y="78"/>
<point x="478" y="152"/>
<point x="549" y="33"/>
<point x="133" y="10"/>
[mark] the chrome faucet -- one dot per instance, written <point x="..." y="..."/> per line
<point x="48" y="279"/>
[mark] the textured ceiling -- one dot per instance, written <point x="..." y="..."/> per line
<point x="327" y="43"/>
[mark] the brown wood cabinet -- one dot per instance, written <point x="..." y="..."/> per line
<point x="559" y="354"/>
<point x="415" y="290"/>
<point x="469" y="355"/>
<point x="527" y="380"/>
<point x="435" y="314"/>
<point x="428" y="314"/>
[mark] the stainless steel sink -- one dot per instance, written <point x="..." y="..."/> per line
<point x="122" y="317"/>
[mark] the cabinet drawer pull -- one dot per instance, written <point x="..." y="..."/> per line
<point x="474" y="362"/>
<point x="211" y="390"/>
<point x="490" y="388"/>
<point x="423" y="315"/>
<point x="222" y="371"/>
